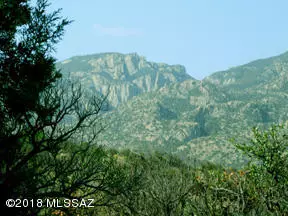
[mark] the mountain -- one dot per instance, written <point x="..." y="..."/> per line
<point x="270" y="73"/>
<point x="160" y="107"/>
<point x="124" y="76"/>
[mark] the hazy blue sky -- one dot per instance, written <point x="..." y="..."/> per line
<point x="203" y="35"/>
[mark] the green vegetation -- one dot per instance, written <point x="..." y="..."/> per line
<point x="167" y="185"/>
<point x="41" y="115"/>
<point x="49" y="128"/>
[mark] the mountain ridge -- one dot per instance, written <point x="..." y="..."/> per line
<point x="129" y="74"/>
<point x="184" y="116"/>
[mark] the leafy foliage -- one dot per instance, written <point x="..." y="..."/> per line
<point x="268" y="167"/>
<point x="40" y="116"/>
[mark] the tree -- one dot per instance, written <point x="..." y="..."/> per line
<point x="48" y="126"/>
<point x="268" y="167"/>
<point x="167" y="182"/>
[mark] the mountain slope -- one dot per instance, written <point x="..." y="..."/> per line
<point x="182" y="115"/>
<point x="256" y="74"/>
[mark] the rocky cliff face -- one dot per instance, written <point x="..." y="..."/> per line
<point x="123" y="76"/>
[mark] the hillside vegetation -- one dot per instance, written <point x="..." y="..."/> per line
<point x="155" y="106"/>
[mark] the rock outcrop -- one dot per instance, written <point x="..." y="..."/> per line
<point x="123" y="76"/>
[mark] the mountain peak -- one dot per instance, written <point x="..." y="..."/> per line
<point x="126" y="75"/>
